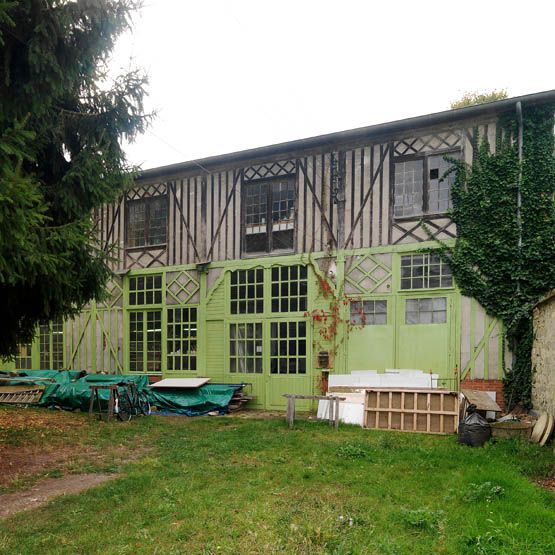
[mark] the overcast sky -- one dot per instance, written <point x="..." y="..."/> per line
<point x="236" y="74"/>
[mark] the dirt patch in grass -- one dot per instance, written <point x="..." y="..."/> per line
<point x="21" y="461"/>
<point x="44" y="491"/>
<point x="36" y="443"/>
<point x="25" y="420"/>
<point x="547" y="483"/>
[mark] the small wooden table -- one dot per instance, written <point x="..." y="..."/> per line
<point x="333" y="409"/>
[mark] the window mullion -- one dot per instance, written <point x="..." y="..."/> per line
<point x="425" y="185"/>
<point x="147" y="222"/>
<point x="269" y="223"/>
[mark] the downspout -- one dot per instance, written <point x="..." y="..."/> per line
<point x="518" y="188"/>
<point x="518" y="215"/>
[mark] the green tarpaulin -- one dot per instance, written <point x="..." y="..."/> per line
<point x="204" y="399"/>
<point x="71" y="390"/>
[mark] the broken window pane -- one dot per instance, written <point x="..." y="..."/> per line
<point x="439" y="184"/>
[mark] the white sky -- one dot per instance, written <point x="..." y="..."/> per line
<point x="230" y="75"/>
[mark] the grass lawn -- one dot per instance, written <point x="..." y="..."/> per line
<point x="243" y="485"/>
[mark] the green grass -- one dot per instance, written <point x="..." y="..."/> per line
<point x="239" y="486"/>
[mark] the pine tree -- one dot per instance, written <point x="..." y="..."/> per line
<point x="61" y="127"/>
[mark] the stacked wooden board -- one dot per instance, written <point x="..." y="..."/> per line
<point x="239" y="399"/>
<point x="21" y="394"/>
<point x="432" y="411"/>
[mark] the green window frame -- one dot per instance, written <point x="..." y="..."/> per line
<point x="368" y="313"/>
<point x="51" y="345"/>
<point x="145" y="289"/>
<point x="23" y="359"/>
<point x="247" y="291"/>
<point x="289" y="288"/>
<point x="246" y="347"/>
<point x="432" y="310"/>
<point x="425" y="271"/>
<point x="145" y="340"/>
<point x="288" y="354"/>
<point x="181" y="341"/>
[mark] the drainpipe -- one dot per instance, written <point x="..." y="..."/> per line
<point x="519" y="183"/>
<point x="518" y="211"/>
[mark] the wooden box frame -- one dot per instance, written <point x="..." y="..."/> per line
<point x="412" y="410"/>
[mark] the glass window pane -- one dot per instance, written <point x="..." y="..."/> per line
<point x="408" y="188"/>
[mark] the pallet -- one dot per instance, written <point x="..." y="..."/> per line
<point x="430" y="411"/>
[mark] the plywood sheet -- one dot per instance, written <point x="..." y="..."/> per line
<point x="181" y="383"/>
<point x="481" y="399"/>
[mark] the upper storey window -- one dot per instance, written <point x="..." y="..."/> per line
<point x="269" y="212"/>
<point x="421" y="186"/>
<point x="147" y="222"/>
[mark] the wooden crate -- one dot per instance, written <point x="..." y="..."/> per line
<point x="412" y="410"/>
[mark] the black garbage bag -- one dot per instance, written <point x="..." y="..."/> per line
<point x="474" y="430"/>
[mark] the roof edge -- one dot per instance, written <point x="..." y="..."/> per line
<point x="478" y="110"/>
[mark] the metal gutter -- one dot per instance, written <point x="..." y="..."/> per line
<point x="369" y="132"/>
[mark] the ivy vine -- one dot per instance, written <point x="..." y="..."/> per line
<point x="489" y="263"/>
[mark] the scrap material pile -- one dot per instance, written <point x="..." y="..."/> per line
<point x="412" y="401"/>
<point x="354" y="386"/>
<point x="71" y="390"/>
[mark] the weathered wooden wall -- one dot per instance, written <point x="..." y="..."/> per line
<point x="204" y="207"/>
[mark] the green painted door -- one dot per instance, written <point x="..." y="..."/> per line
<point x="288" y="362"/>
<point x="372" y="339"/>
<point x="424" y="340"/>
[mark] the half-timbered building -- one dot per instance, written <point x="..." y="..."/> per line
<point x="277" y="265"/>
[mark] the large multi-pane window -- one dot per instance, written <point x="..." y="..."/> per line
<point x="147" y="222"/>
<point x="182" y="339"/>
<point x="426" y="311"/>
<point x="422" y="185"/>
<point x="247" y="291"/>
<point x="145" y="341"/>
<point x="288" y="347"/>
<point x="368" y="313"/>
<point x="145" y="326"/>
<point x="145" y="289"/>
<point x="245" y="348"/>
<point x="51" y="345"/>
<point x="23" y="360"/>
<point x="269" y="215"/>
<point x="289" y="288"/>
<point x="424" y="271"/>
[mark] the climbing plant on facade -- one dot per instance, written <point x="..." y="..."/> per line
<point x="504" y="261"/>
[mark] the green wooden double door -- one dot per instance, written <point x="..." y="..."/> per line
<point x="417" y="331"/>
<point x="274" y="356"/>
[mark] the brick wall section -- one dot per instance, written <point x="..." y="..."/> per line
<point x="486" y="385"/>
<point x="543" y="355"/>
